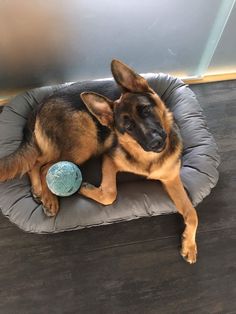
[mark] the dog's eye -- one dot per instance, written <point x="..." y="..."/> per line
<point x="129" y="124"/>
<point x="145" y="111"/>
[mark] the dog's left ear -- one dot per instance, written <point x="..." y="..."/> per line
<point x="99" y="106"/>
<point x="128" y="79"/>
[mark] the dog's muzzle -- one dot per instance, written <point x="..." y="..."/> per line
<point x="157" y="144"/>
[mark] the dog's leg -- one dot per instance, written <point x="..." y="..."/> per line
<point x="49" y="200"/>
<point x="106" y="193"/>
<point x="36" y="186"/>
<point x="177" y="193"/>
<point x="35" y="177"/>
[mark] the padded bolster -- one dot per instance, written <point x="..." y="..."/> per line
<point x="137" y="197"/>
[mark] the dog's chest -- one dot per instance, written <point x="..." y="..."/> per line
<point x="126" y="165"/>
<point x="153" y="169"/>
<point x="129" y="163"/>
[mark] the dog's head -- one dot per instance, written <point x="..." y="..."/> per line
<point x="139" y="115"/>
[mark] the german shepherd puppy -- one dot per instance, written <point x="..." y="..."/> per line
<point x="135" y="133"/>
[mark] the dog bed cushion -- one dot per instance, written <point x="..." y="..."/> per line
<point x="137" y="197"/>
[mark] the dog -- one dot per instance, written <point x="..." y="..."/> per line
<point x="135" y="133"/>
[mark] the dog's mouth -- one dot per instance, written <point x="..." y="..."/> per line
<point x="156" y="149"/>
<point x="160" y="149"/>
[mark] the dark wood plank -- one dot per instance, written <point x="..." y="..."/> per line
<point x="148" y="277"/>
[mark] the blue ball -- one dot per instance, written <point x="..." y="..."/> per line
<point x="64" y="178"/>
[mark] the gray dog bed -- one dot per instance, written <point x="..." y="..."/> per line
<point x="137" y="197"/>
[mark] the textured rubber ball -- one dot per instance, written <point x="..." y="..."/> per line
<point x="64" y="178"/>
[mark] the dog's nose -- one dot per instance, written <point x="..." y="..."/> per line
<point x="161" y="133"/>
<point x="158" y="140"/>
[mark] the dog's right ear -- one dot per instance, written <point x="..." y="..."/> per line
<point x="99" y="106"/>
<point x="128" y="79"/>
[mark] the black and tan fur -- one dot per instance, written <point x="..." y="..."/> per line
<point x="61" y="129"/>
<point x="148" y="143"/>
<point x="135" y="133"/>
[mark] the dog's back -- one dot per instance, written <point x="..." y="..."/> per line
<point x="62" y="128"/>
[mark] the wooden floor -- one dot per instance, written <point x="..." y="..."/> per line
<point x="134" y="267"/>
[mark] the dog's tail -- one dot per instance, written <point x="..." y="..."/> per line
<point x="20" y="161"/>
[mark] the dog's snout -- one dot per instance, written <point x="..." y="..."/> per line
<point x="156" y="142"/>
<point x="158" y="139"/>
<point x="155" y="134"/>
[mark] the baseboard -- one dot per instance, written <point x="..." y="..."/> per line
<point x="4" y="101"/>
<point x="211" y="78"/>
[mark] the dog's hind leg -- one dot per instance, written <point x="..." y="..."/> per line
<point x="49" y="200"/>
<point x="35" y="177"/>
<point x="106" y="193"/>
<point x="36" y="186"/>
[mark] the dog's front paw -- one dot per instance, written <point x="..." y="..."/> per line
<point x="50" y="204"/>
<point x="189" y="251"/>
<point x="97" y="194"/>
<point x="86" y="186"/>
<point x="86" y="189"/>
